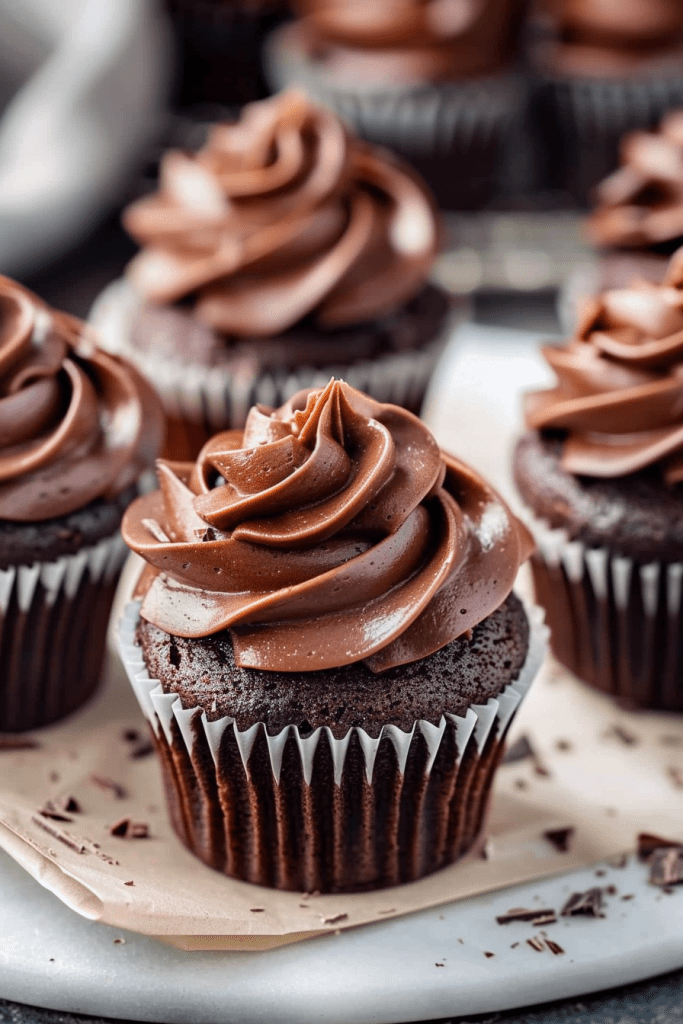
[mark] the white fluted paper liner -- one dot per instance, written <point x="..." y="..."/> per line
<point x="418" y="118"/>
<point x="220" y="397"/>
<point x="162" y="709"/>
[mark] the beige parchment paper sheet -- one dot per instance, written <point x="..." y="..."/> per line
<point x="591" y="777"/>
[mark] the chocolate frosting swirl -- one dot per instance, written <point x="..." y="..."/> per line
<point x="279" y="216"/>
<point x="76" y="424"/>
<point x="410" y="40"/>
<point x="619" y="396"/>
<point x="641" y="203"/>
<point x="331" y="531"/>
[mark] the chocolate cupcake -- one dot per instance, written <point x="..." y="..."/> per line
<point x="435" y="82"/>
<point x="218" y="46"/>
<point x="77" y="428"/>
<point x="602" y="474"/>
<point x="604" y="69"/>
<point x="282" y="253"/>
<point x="327" y="647"/>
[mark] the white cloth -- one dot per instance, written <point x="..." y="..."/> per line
<point x="82" y="83"/>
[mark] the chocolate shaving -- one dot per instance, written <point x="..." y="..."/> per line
<point x="666" y="867"/>
<point x="143" y="749"/>
<point x="131" y="735"/>
<point x="488" y="955"/>
<point x="563" y="745"/>
<point x="68" y="803"/>
<point x="257" y="910"/>
<point x="648" y="843"/>
<point x="10" y="743"/>
<point x="554" y="947"/>
<point x="560" y="838"/>
<point x="128" y="829"/>
<point x="536" y="944"/>
<point x="519" y="751"/>
<point x="439" y="965"/>
<point x="522" y="914"/>
<point x="117" y="790"/>
<point x="586" y="904"/>
<point x="618" y="732"/>
<point x="629" y="896"/>
<point x="545" y="919"/>
<point x="50" y="811"/>
<point x="129" y="883"/>
<point x="334" y="918"/>
<point x="60" y="834"/>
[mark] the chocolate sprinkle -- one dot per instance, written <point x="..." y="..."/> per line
<point x="257" y="910"/>
<point x="560" y="838"/>
<point x="666" y="866"/>
<point x="587" y="904"/>
<point x="117" y="790"/>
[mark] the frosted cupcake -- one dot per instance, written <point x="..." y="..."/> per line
<point x="282" y="252"/>
<point x="602" y="472"/>
<point x="327" y="646"/>
<point x="77" y="429"/>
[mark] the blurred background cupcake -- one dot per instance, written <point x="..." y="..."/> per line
<point x="604" y="67"/>
<point x="282" y="253"/>
<point x="601" y="472"/>
<point x="435" y="81"/>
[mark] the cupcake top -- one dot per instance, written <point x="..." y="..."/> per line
<point x="619" y="397"/>
<point x="281" y="216"/>
<point x="332" y="530"/>
<point x="640" y="205"/>
<point x="76" y="424"/>
<point x="608" y="36"/>
<point x="410" y="40"/>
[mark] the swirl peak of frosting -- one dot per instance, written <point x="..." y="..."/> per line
<point x="641" y="203"/>
<point x="76" y="424"/>
<point x="410" y="40"/>
<point x="330" y="531"/>
<point x="280" y="216"/>
<point x="619" y="396"/>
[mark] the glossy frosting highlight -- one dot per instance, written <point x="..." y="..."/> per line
<point x="280" y="216"/>
<point x="76" y="424"/>
<point x="410" y="40"/>
<point x="333" y="530"/>
<point x="641" y="203"/>
<point x="619" y="395"/>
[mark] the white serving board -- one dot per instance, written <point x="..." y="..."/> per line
<point x="383" y="973"/>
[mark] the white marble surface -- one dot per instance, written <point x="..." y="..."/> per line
<point x="385" y="972"/>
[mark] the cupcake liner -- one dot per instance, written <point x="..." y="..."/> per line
<point x="199" y="401"/>
<point x="615" y="623"/>
<point x="53" y="624"/>
<point x="436" y="126"/>
<point x="316" y="812"/>
<point x="582" y="120"/>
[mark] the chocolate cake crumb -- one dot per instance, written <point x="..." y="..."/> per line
<point x="10" y="743"/>
<point x="334" y="919"/>
<point x="560" y="838"/>
<point x="116" y="790"/>
<point x="522" y="914"/>
<point x="666" y="866"/>
<point x="585" y="904"/>
<point x="648" y="843"/>
<point x="60" y="834"/>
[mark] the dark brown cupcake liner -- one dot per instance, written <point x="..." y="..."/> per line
<point x="314" y="812"/>
<point x="581" y="122"/>
<point x="457" y="134"/>
<point x="200" y="401"/>
<point x="616" y="623"/>
<point x="53" y="627"/>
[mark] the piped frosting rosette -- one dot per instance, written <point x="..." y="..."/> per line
<point x="76" y="424"/>
<point x="332" y="530"/>
<point x="279" y="216"/>
<point x="412" y="40"/>
<point x="619" y="396"/>
<point x="641" y="203"/>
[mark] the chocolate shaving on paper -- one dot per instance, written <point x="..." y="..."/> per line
<point x="666" y="867"/>
<point x="648" y="843"/>
<point x="116" y="790"/>
<point x="586" y="904"/>
<point x="560" y="838"/>
<point x="522" y="914"/>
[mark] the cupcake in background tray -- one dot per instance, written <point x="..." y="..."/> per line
<point x="327" y="648"/>
<point x="283" y="252"/>
<point x="435" y="81"/>
<point x="604" y="67"/>
<point x="78" y="427"/>
<point x="601" y="472"/>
